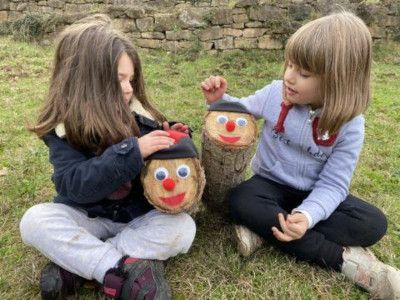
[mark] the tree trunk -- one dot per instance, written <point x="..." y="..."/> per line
<point x="224" y="168"/>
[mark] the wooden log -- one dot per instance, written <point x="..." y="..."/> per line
<point x="226" y="153"/>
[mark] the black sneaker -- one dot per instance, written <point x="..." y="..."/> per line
<point x="57" y="283"/>
<point x="137" y="279"/>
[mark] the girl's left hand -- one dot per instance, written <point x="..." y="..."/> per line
<point x="293" y="228"/>
<point x="177" y="126"/>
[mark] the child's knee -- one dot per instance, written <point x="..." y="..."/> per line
<point x="189" y="232"/>
<point x="236" y="205"/>
<point x="378" y="227"/>
<point x="29" y="222"/>
<point x="182" y="239"/>
<point x="34" y="222"/>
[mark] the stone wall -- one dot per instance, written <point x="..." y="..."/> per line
<point x="210" y="24"/>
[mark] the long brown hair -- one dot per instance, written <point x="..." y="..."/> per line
<point x="338" y="49"/>
<point x="85" y="93"/>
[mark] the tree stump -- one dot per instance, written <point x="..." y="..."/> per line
<point x="227" y="145"/>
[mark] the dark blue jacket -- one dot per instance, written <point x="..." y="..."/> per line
<point x="84" y="180"/>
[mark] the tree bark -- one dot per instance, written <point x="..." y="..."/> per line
<point x="224" y="168"/>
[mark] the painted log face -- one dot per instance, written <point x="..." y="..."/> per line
<point x="230" y="129"/>
<point x="229" y="134"/>
<point x="173" y="179"/>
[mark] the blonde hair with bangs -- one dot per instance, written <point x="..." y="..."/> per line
<point x="338" y="49"/>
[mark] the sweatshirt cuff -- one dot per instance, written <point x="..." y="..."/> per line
<point x="308" y="216"/>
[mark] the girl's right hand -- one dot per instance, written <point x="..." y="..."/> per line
<point x="153" y="142"/>
<point x="213" y="88"/>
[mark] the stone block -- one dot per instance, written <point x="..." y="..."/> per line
<point x="164" y="22"/>
<point x="22" y="6"/>
<point x="377" y="32"/>
<point x="72" y="8"/>
<point x="212" y="33"/>
<point x="3" y="16"/>
<point x="206" y="45"/>
<point x="145" y="24"/>
<point x="267" y="42"/>
<point x="190" y="18"/>
<point x="242" y="18"/>
<point x="299" y="12"/>
<point x="238" y="11"/>
<point x="237" y="25"/>
<point x="264" y="13"/>
<point x="225" y="43"/>
<point x="256" y="24"/>
<point x="219" y="3"/>
<point x="149" y="43"/>
<point x="179" y="35"/>
<point x="245" y="43"/>
<point x="392" y="21"/>
<point x="124" y="25"/>
<point x="153" y="35"/>
<point x="56" y="3"/>
<point x="4" y="5"/>
<point x="222" y="17"/>
<point x="232" y="32"/>
<point x="245" y="3"/>
<point x="42" y="3"/>
<point x="135" y="13"/>
<point x="174" y="46"/>
<point x="253" y="32"/>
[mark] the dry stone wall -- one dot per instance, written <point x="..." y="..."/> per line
<point x="210" y="24"/>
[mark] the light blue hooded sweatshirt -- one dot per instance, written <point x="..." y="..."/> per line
<point x="294" y="158"/>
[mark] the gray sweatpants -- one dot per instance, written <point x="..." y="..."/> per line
<point x="89" y="247"/>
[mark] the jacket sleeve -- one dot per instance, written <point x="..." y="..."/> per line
<point x="88" y="180"/>
<point x="332" y="187"/>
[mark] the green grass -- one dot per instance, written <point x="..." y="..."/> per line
<point x="212" y="269"/>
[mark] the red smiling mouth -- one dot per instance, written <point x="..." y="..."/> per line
<point x="173" y="200"/>
<point x="229" y="139"/>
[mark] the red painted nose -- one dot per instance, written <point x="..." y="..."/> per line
<point x="168" y="184"/>
<point x="230" y="126"/>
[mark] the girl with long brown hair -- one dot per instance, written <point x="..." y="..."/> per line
<point x="312" y="136"/>
<point x="99" y="127"/>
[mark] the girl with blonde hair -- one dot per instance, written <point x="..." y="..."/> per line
<point x="298" y="198"/>
<point x="99" y="127"/>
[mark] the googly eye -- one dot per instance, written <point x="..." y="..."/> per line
<point x="241" y="122"/>
<point x="160" y="173"/>
<point x="221" y="119"/>
<point x="183" y="171"/>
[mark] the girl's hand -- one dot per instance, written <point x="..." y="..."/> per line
<point x="153" y="142"/>
<point x="177" y="126"/>
<point x="293" y="228"/>
<point x="213" y="88"/>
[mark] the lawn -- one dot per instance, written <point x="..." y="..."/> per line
<point x="212" y="269"/>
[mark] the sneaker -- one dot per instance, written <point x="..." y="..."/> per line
<point x="364" y="269"/>
<point x="246" y="240"/>
<point x="57" y="283"/>
<point x="137" y="279"/>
